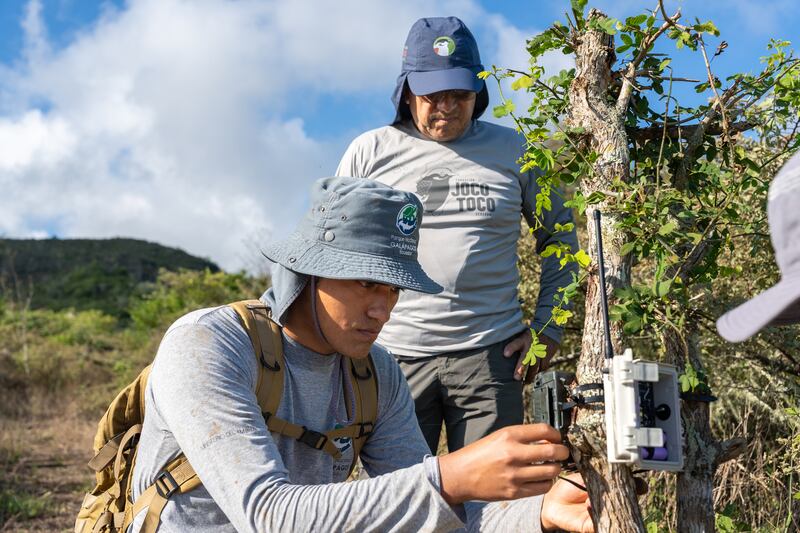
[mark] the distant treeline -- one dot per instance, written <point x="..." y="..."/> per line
<point x="86" y="274"/>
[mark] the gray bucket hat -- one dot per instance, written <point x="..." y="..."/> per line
<point x="357" y="229"/>
<point x="440" y="54"/>
<point x="779" y="305"/>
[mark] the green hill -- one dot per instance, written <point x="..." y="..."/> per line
<point x="86" y="273"/>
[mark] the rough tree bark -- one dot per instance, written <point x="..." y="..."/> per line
<point x="703" y="453"/>
<point x="611" y="488"/>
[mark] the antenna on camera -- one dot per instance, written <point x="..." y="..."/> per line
<point x="603" y="297"/>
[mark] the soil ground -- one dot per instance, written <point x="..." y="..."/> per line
<point x="43" y="472"/>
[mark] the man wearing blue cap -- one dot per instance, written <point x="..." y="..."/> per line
<point x="336" y="281"/>
<point x="461" y="349"/>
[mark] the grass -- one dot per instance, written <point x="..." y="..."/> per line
<point x="23" y="506"/>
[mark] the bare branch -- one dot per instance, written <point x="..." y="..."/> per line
<point x="674" y="131"/>
<point x="671" y="21"/>
<point x="713" y="83"/>
<point x="628" y="85"/>
<point x="730" y="449"/>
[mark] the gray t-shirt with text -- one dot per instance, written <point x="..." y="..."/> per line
<point x="473" y="195"/>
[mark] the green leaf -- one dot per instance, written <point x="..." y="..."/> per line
<point x="695" y="237"/>
<point x="578" y="6"/>
<point x="582" y="259"/>
<point x="484" y="74"/>
<point x="664" y="64"/>
<point x="609" y="25"/>
<point x="636" y="21"/>
<point x="661" y="288"/>
<point x="499" y="111"/>
<point x="633" y="325"/>
<point x="652" y="527"/>
<point x="536" y="351"/>
<point x="560" y="316"/>
<point x="578" y="202"/>
<point x="724" y="524"/>
<point x="552" y="249"/>
<point x="595" y="197"/>
<point x="523" y="82"/>
<point x="627" y="248"/>
<point x="667" y="228"/>
<point x="569" y="226"/>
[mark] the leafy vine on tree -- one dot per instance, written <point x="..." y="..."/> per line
<point x="682" y="184"/>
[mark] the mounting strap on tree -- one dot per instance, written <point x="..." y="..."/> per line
<point x="576" y="394"/>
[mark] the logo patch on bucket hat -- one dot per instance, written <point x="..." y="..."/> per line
<point x="444" y="46"/>
<point x="407" y="219"/>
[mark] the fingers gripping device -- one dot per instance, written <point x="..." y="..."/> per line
<point x="642" y="407"/>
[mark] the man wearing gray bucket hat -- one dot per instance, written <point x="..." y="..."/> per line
<point x="779" y="305"/>
<point x="461" y="349"/>
<point x="336" y="280"/>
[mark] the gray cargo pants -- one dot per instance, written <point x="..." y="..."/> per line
<point x="472" y="392"/>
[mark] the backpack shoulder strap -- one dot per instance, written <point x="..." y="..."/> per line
<point x="179" y="476"/>
<point x="365" y="389"/>
<point x="265" y="335"/>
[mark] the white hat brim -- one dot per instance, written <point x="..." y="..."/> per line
<point x="778" y="305"/>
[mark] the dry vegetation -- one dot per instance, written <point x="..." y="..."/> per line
<point x="758" y="390"/>
<point x="59" y="371"/>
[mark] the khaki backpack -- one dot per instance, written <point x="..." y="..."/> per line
<point x="108" y="507"/>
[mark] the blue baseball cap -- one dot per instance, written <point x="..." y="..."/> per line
<point x="441" y="54"/>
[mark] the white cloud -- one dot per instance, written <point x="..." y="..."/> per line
<point x="176" y="121"/>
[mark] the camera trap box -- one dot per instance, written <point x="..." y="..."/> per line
<point x="642" y="410"/>
<point x="549" y="398"/>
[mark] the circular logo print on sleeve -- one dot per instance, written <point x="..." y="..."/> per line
<point x="407" y="219"/>
<point x="444" y="46"/>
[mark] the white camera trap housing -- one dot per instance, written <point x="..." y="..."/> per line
<point x="642" y="410"/>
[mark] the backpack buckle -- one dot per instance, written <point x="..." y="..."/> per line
<point x="166" y="485"/>
<point x="365" y="429"/>
<point x="312" y="438"/>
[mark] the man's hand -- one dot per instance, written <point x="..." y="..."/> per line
<point x="513" y="462"/>
<point x="521" y="344"/>
<point x="566" y="507"/>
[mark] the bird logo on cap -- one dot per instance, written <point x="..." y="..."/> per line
<point x="407" y="219"/>
<point x="444" y="46"/>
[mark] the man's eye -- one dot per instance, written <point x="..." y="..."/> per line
<point x="367" y="284"/>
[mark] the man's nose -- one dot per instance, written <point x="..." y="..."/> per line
<point x="380" y="308"/>
<point x="446" y="103"/>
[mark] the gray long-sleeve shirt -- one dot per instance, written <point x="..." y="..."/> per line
<point x="200" y="400"/>
<point x="473" y="195"/>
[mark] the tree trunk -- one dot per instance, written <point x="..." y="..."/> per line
<point x="703" y="453"/>
<point x="611" y="488"/>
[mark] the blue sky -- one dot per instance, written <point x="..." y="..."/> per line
<point x="202" y="123"/>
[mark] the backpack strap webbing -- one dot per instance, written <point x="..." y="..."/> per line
<point x="365" y="387"/>
<point x="178" y="477"/>
<point x="265" y="335"/>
